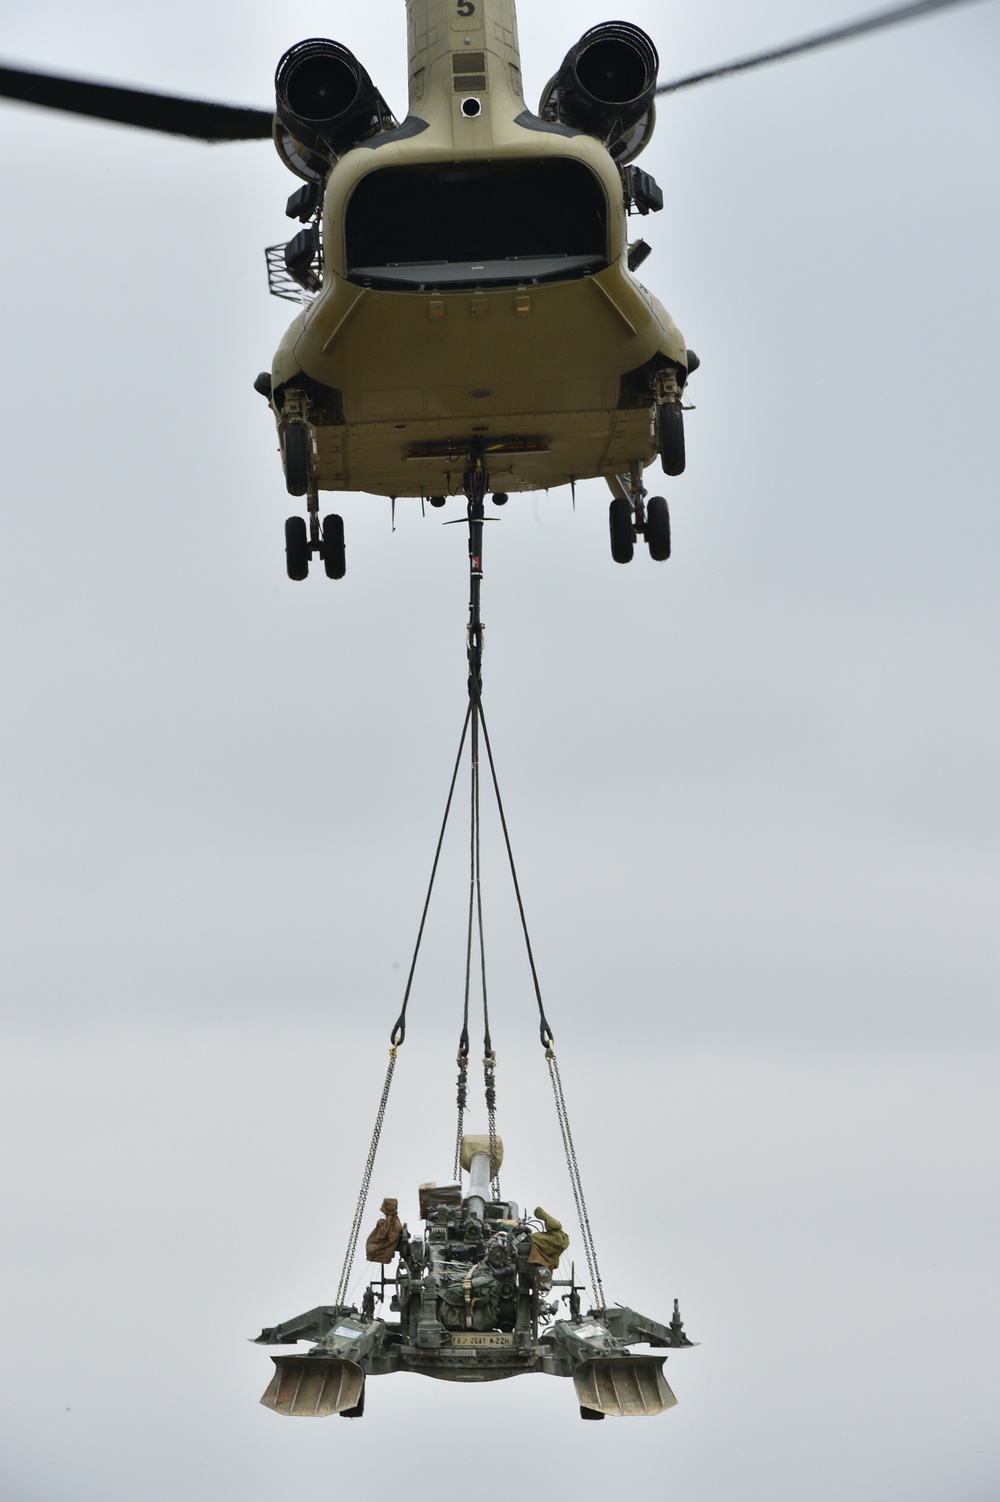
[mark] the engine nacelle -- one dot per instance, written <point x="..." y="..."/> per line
<point x="326" y="101"/>
<point x="606" y="86"/>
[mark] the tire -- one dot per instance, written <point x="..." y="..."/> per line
<point x="334" y="552"/>
<point x="658" y="529"/>
<point x="622" y="530"/>
<point x="672" y="438"/>
<point x="295" y="447"/>
<point x="296" y="548"/>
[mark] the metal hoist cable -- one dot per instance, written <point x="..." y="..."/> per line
<point x="463" y="1041"/>
<point x="399" y="1030"/>
<point x="366" y="1178"/>
<point x="476" y="483"/>
<point x="396" y="1040"/>
<point x="574" y="1177"/>
<point x="476" y="928"/>
<point x="548" y="1043"/>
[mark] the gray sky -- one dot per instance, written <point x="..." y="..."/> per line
<point x="752" y="793"/>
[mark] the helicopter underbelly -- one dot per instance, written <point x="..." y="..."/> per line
<point x="426" y="457"/>
<point x="533" y="371"/>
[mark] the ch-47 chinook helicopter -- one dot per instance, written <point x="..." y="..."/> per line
<point x="477" y="290"/>
<point x="471" y="310"/>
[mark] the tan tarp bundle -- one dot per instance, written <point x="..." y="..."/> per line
<point x="474" y="1142"/>
<point x="547" y="1246"/>
<point x="383" y="1241"/>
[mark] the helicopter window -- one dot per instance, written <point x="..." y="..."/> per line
<point x="468" y="224"/>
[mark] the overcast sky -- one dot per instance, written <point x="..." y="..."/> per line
<point x="752" y="792"/>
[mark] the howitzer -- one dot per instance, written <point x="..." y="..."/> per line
<point x="471" y="1306"/>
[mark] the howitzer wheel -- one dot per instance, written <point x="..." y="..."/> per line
<point x="623" y="1386"/>
<point x="313" y="1387"/>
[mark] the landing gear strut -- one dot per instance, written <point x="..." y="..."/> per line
<point x="630" y="515"/>
<point x="304" y="539"/>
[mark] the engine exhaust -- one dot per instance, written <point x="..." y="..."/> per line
<point x="606" y="84"/>
<point x="325" y="98"/>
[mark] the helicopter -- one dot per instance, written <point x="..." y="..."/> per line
<point x="287" y="1305"/>
<point x="468" y="281"/>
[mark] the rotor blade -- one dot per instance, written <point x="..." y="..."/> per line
<point x="811" y="43"/>
<point x="196" y="118"/>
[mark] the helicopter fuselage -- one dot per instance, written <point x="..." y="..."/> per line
<point x="475" y="288"/>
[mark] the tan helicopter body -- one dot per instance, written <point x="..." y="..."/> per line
<point x="472" y="317"/>
<point x="420" y="341"/>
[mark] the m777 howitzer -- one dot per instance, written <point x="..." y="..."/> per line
<point x="473" y="1303"/>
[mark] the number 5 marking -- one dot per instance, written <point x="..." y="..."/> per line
<point x="466" y="8"/>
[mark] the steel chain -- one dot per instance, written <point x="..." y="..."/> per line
<point x="463" y="1095"/>
<point x="489" y="1080"/>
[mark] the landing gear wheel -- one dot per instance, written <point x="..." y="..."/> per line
<point x="296" y="548"/>
<point x="672" y="438"/>
<point x="622" y="530"/>
<point x="590" y="1413"/>
<point x="334" y="553"/>
<point x="658" y="529"/>
<point x="295" y="447"/>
